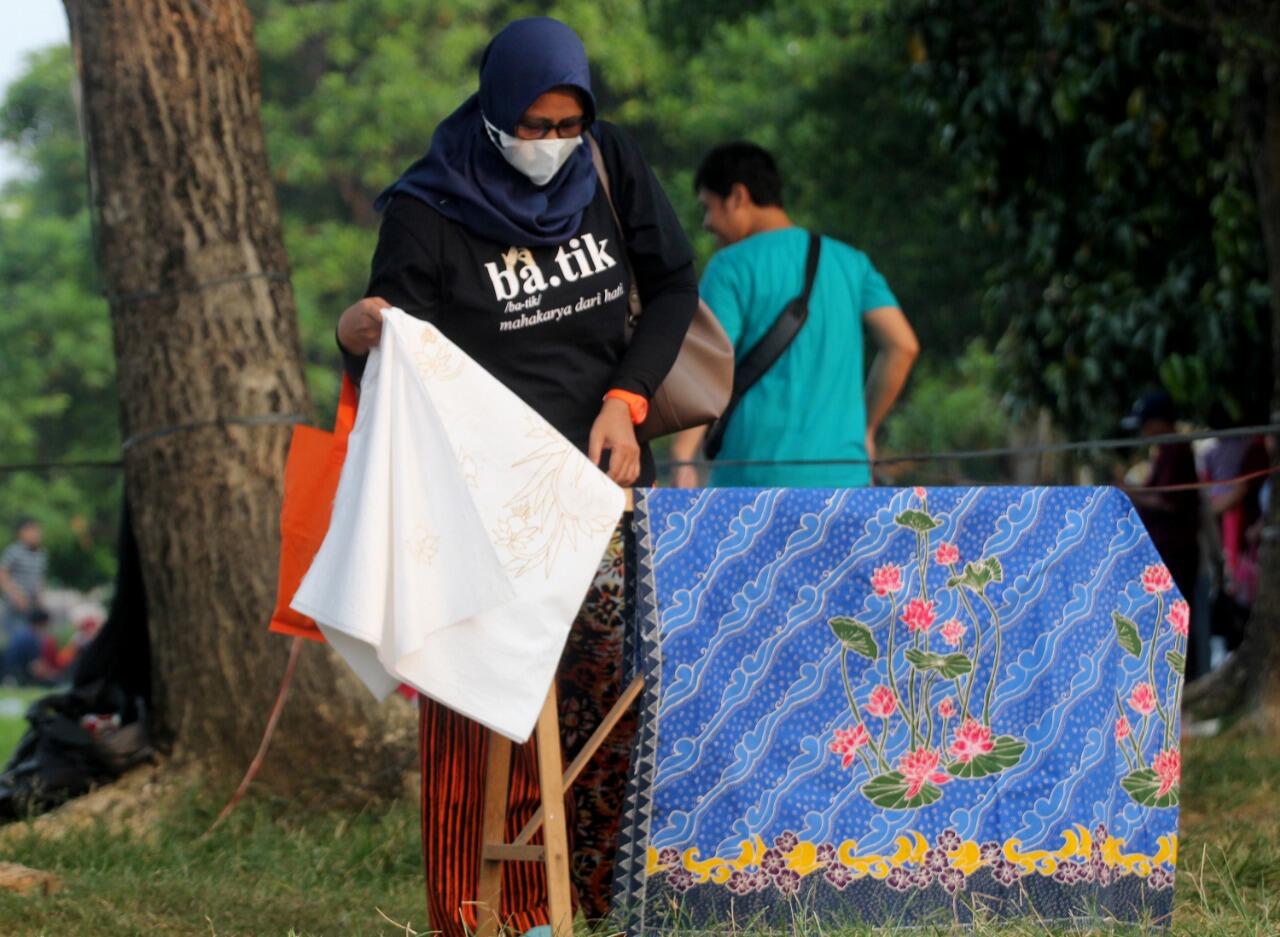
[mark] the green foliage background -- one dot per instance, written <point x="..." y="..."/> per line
<point x="1100" y="148"/>
<point x="57" y="375"/>
<point x="1060" y="181"/>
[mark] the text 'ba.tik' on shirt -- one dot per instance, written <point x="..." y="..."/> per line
<point x="549" y="322"/>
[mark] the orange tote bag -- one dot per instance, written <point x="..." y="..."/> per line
<point x="310" y="483"/>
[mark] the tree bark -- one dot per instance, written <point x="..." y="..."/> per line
<point x="205" y="332"/>
<point x="1264" y="623"/>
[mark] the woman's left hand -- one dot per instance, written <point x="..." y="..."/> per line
<point x="613" y="430"/>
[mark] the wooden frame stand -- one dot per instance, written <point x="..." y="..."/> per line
<point x="550" y="817"/>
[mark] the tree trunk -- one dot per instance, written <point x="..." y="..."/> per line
<point x="1264" y="623"/>
<point x="1249" y="683"/>
<point x="205" y="332"/>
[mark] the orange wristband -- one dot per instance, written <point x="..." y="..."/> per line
<point x="638" y="405"/>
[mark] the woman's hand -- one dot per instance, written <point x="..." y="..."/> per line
<point x="360" y="327"/>
<point x="613" y="430"/>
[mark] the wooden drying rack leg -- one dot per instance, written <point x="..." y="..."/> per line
<point x="550" y="817"/>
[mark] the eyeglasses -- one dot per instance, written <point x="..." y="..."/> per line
<point x="538" y="128"/>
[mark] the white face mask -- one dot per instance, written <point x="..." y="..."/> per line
<point x="540" y="160"/>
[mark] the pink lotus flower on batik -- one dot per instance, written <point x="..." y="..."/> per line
<point x="1157" y="579"/>
<point x="919" y="615"/>
<point x="847" y="742"/>
<point x="1122" y="729"/>
<point x="1143" y="699"/>
<point x="919" y="492"/>
<point x="946" y="554"/>
<point x="953" y="631"/>
<point x="971" y="739"/>
<point x="1179" y="617"/>
<point x="919" y="768"/>
<point x="947" y="708"/>
<point x="1168" y="768"/>
<point x="882" y="702"/>
<point x="886" y="579"/>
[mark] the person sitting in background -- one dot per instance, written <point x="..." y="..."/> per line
<point x="32" y="655"/>
<point x="811" y="405"/>
<point x="1172" y="518"/>
<point x="1254" y="534"/>
<point x="1236" y="506"/>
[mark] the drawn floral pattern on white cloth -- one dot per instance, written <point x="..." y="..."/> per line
<point x="465" y="533"/>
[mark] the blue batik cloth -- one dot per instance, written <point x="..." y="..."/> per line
<point x="901" y="706"/>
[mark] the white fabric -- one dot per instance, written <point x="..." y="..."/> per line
<point x="465" y="534"/>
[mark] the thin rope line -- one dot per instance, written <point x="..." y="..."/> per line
<point x="277" y="707"/>
<point x="195" y="287"/>
<point x="1196" y="486"/>
<point x="266" y="419"/>
<point x="1131" y="442"/>
<point x="77" y="464"/>
<point x="276" y="418"/>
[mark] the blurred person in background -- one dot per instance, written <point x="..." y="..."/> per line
<point x="23" y="566"/>
<point x="1235" y="501"/>
<point x="1172" y="518"/>
<point x="811" y="404"/>
<point x="31" y="659"/>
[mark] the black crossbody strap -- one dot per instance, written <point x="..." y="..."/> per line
<point x="762" y="355"/>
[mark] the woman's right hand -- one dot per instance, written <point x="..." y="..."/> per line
<point x="360" y="327"/>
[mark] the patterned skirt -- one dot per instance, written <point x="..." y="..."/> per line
<point x="453" y="757"/>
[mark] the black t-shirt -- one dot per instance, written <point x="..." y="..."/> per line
<point x="549" y="321"/>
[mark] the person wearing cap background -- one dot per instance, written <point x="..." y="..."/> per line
<point x="1172" y="518"/>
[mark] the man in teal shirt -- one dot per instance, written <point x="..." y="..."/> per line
<point x="811" y="405"/>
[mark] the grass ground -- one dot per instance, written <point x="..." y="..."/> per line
<point x="13" y="705"/>
<point x="274" y="869"/>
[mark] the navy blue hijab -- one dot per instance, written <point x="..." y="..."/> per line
<point x="464" y="176"/>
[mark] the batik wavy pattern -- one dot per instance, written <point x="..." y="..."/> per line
<point x="905" y="688"/>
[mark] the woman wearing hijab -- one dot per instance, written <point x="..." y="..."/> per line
<point x="502" y="237"/>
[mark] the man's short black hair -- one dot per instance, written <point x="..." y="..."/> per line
<point x="740" y="161"/>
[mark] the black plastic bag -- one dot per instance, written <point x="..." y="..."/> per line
<point x="59" y="758"/>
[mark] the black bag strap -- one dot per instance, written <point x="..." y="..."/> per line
<point x="769" y="349"/>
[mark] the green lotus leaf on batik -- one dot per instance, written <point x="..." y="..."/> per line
<point x="949" y="666"/>
<point x="890" y="791"/>
<point x="1144" y="785"/>
<point x="1006" y="751"/>
<point x="977" y="576"/>
<point x="919" y="521"/>
<point x="1127" y="634"/>
<point x="855" y="636"/>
